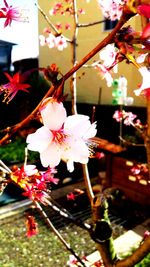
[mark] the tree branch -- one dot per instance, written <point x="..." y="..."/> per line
<point x="109" y="38"/>
<point x="57" y="33"/>
<point x="80" y="25"/>
<point x="136" y="256"/>
<point x="11" y="130"/>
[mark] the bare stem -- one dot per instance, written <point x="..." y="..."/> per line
<point x="73" y="81"/>
<point x="49" y="22"/>
<point x="31" y="116"/>
<point x="77" y="66"/>
<point x="56" y="232"/>
<point x="80" y="25"/>
<point x="101" y="45"/>
<point x="87" y="182"/>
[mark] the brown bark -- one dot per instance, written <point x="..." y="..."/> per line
<point x="137" y="256"/>
<point x="107" y="40"/>
<point x="106" y="247"/>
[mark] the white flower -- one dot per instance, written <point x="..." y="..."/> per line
<point x="112" y="9"/>
<point x="140" y="59"/>
<point x="42" y="40"/>
<point x="30" y="170"/>
<point x="60" y="43"/>
<point x="61" y="137"/>
<point x="50" y="40"/>
<point x="108" y="55"/>
<point x="146" y="80"/>
<point x="104" y="73"/>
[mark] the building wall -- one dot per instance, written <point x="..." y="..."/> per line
<point x="90" y="87"/>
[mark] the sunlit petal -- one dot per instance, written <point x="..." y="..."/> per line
<point x="76" y="150"/>
<point x="51" y="156"/>
<point x="39" y="140"/>
<point x="80" y="125"/>
<point x="53" y="114"/>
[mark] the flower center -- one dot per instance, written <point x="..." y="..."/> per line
<point x="59" y="136"/>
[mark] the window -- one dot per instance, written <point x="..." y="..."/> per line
<point x="109" y="24"/>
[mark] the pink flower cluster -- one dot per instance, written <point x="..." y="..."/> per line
<point x="140" y="171"/>
<point x="112" y="9"/>
<point x="109" y="56"/>
<point x="15" y="84"/>
<point x="10" y="13"/>
<point x="34" y="183"/>
<point x="61" y="137"/>
<point x="64" y="6"/>
<point x="127" y="117"/>
<point x="53" y="41"/>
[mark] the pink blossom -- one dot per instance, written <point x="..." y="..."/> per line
<point x="58" y="26"/>
<point x="67" y="26"/>
<point x="16" y="84"/>
<point x="48" y="176"/>
<point x="50" y="40"/>
<point x="72" y="260"/>
<point x="112" y="9"/>
<point x="11" y="13"/>
<point x="58" y="6"/>
<point x="71" y="196"/>
<point x="34" y="182"/>
<point x="53" y="41"/>
<point x="108" y="55"/>
<point x="42" y="40"/>
<point x="81" y="11"/>
<point x="119" y="115"/>
<point x="135" y="170"/>
<point x="60" y="43"/>
<point x="146" y="234"/>
<point x="129" y="117"/>
<point x="61" y="137"/>
<point x="104" y="73"/>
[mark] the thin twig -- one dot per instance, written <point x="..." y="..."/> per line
<point x="52" y="227"/>
<point x="130" y="143"/>
<point x="50" y="23"/>
<point x="13" y="129"/>
<point x="77" y="66"/>
<point x="87" y="182"/>
<point x="3" y="170"/>
<point x="66" y="214"/>
<point x="108" y="39"/>
<point x="80" y="25"/>
<point x="5" y="166"/>
<point x="25" y="156"/>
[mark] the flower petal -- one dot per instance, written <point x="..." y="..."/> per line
<point x="39" y="140"/>
<point x="75" y="150"/>
<point x="51" y="156"/>
<point x="80" y="125"/>
<point x="53" y="114"/>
